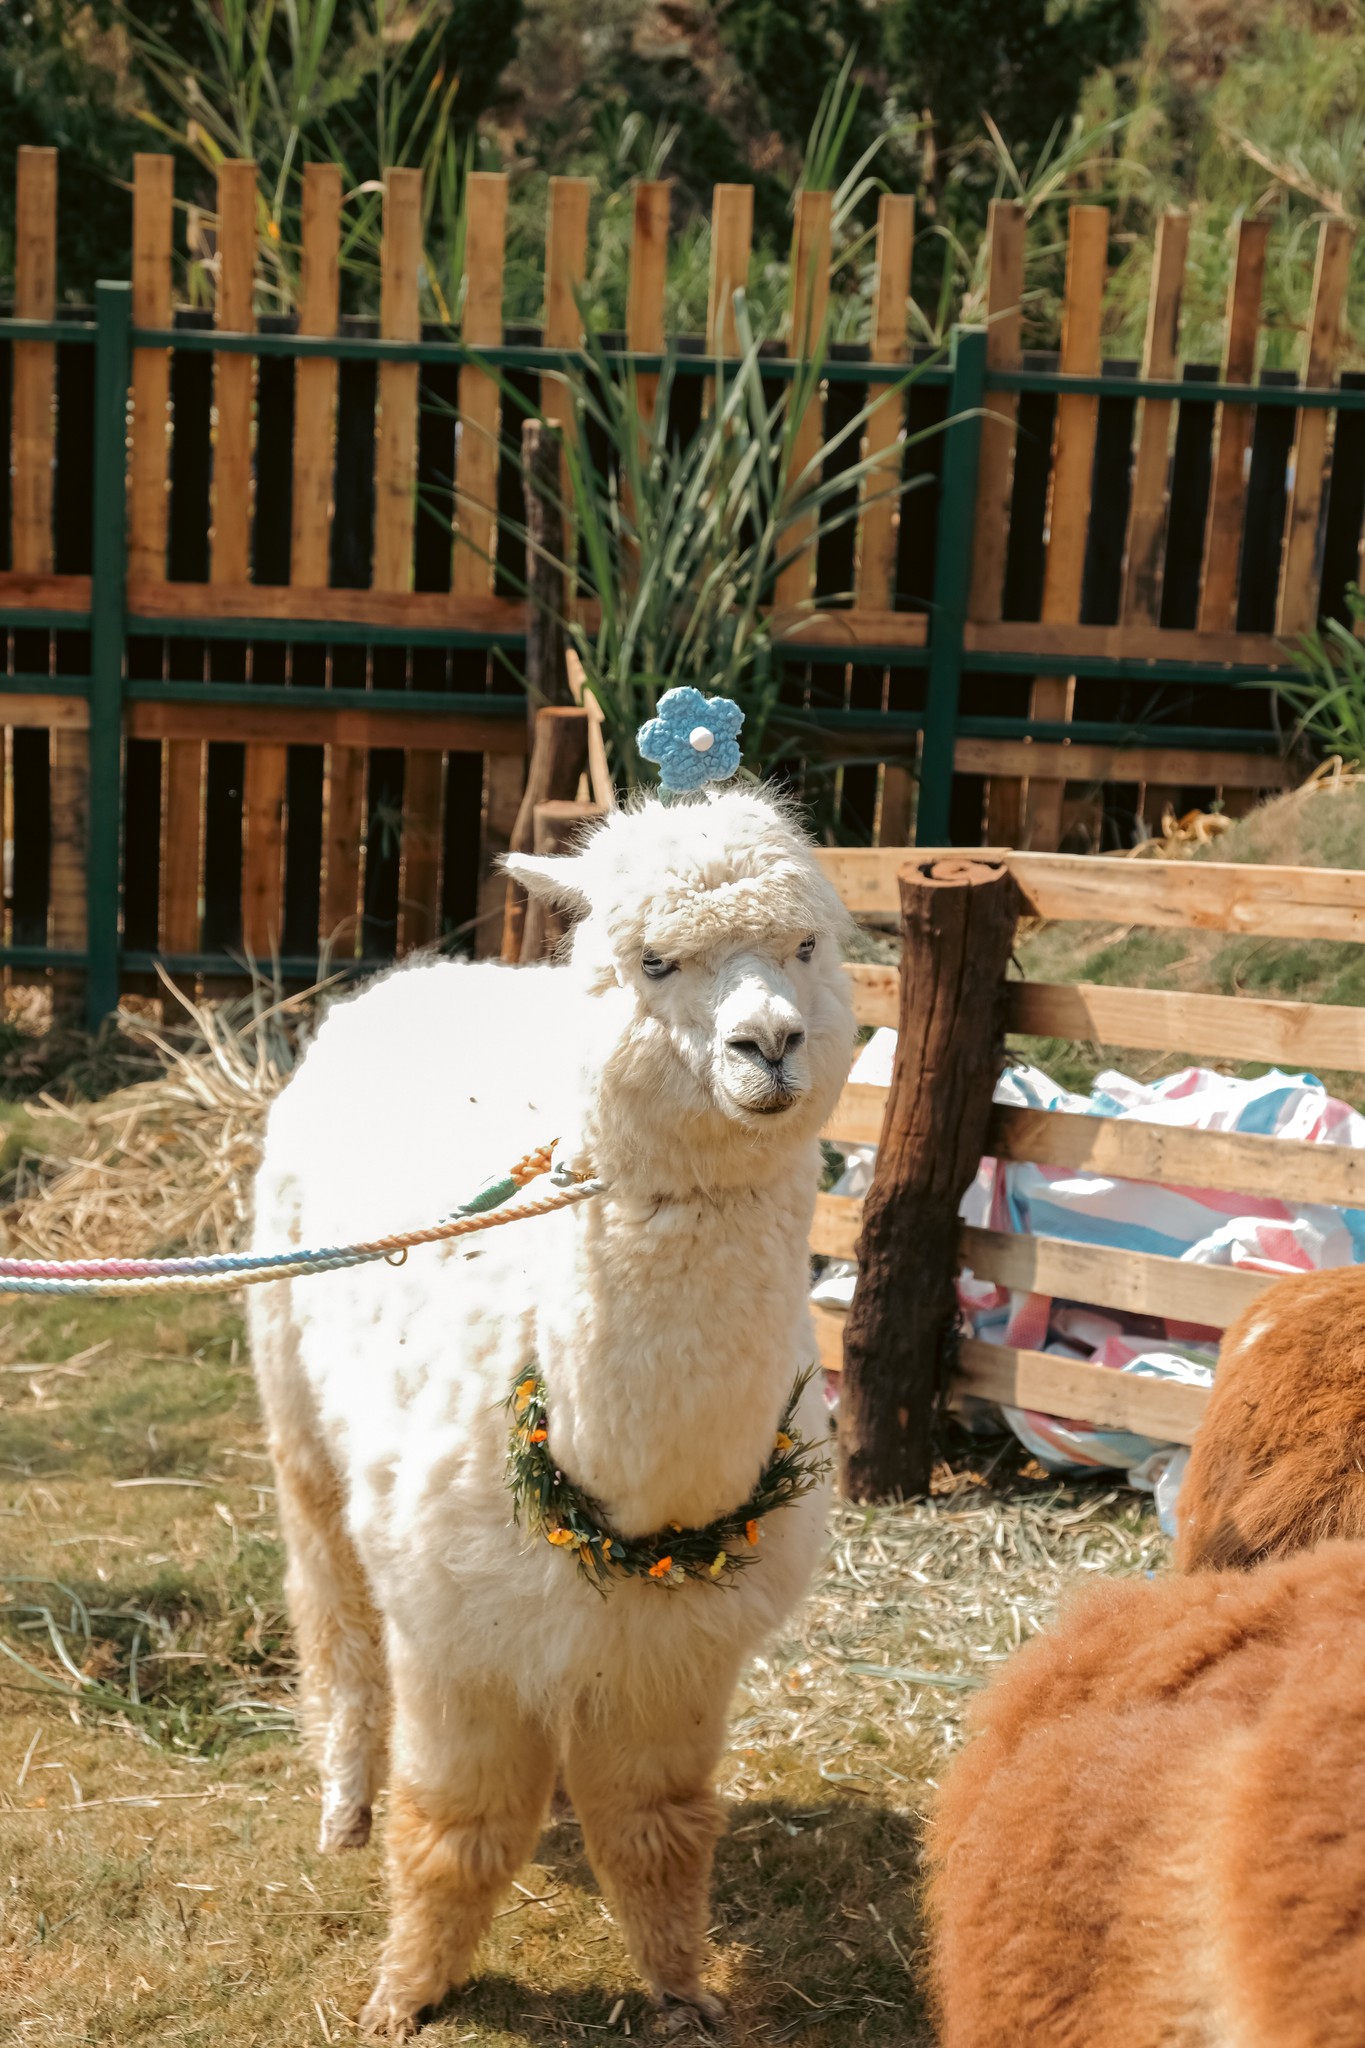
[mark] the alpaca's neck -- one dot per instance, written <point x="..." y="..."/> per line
<point x="672" y="1355"/>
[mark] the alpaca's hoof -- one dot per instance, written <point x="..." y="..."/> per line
<point x="695" y="2008"/>
<point x="387" y="2017"/>
<point x="347" y="1828"/>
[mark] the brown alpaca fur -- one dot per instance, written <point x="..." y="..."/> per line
<point x="1156" y="1838"/>
<point x="1279" y="1460"/>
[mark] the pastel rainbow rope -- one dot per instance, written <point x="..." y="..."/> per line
<point x="244" y="1269"/>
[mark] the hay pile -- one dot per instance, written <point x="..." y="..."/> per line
<point x="164" y="1166"/>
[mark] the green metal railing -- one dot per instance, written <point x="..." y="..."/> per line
<point x="107" y="688"/>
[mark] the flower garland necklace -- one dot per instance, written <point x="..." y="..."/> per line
<point x="572" y="1520"/>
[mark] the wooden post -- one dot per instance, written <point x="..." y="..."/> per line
<point x="957" y="927"/>
<point x="559" y="754"/>
<point x="556" y="829"/>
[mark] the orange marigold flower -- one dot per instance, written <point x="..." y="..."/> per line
<point x="524" y="1393"/>
<point x="751" y="1532"/>
<point x="661" y="1569"/>
<point x="536" y="1436"/>
<point x="563" y="1537"/>
<point x="784" y="1442"/>
<point x="272" y="228"/>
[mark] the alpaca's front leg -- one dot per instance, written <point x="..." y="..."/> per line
<point x="639" y="1773"/>
<point x="472" y="1777"/>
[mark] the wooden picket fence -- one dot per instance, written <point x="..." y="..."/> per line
<point x="262" y="670"/>
<point x="1269" y="902"/>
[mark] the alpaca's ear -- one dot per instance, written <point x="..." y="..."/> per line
<point x="551" y="876"/>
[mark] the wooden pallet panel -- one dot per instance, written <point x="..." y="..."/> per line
<point x="1297" y="607"/>
<point x="806" y="323"/>
<point x="313" y="722"/>
<point x="1069" y="506"/>
<point x="1227" y="494"/>
<point x="879" y="522"/>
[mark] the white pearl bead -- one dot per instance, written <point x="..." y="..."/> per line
<point x="701" y="739"/>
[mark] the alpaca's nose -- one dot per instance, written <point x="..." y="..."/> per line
<point x="770" y="1043"/>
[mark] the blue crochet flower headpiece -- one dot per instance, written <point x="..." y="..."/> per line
<point x="694" y="739"/>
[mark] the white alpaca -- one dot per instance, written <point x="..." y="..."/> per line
<point x="688" y="1053"/>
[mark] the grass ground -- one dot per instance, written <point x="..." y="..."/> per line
<point x="158" y="1875"/>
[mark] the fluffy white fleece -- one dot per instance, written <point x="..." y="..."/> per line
<point x="669" y="1316"/>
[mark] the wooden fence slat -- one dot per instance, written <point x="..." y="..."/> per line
<point x="1297" y="610"/>
<point x="1006" y="237"/>
<point x="34" y="373"/>
<point x="879" y="524"/>
<point x="857" y="1115"/>
<point x="1227" y="494"/>
<point x="1069" y="506"/>
<point x="645" y="333"/>
<point x="732" y="234"/>
<point x="1080" y="761"/>
<point x="1290" y="1169"/>
<point x="1080" y="1390"/>
<point x="153" y="236"/>
<point x="315" y="379"/>
<point x="394" y="522"/>
<point x="312" y="722"/>
<point x="1147" y="518"/>
<point x="1311" y="1035"/>
<point x="1262" y="902"/>
<point x="476" y="536"/>
<point x="806" y="320"/>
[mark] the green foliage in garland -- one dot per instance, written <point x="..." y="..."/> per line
<point x="553" y="1507"/>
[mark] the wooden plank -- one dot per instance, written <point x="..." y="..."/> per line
<point x="857" y="1116"/>
<point x="828" y="1324"/>
<point x="315" y="379"/>
<point x="834" y="1231"/>
<point x="732" y="234"/>
<point x="1127" y="643"/>
<point x="995" y="471"/>
<point x="413" y="610"/>
<point x="1069" y="504"/>
<point x="1297" y="610"/>
<point x="234" y="375"/>
<point x="1223" y="534"/>
<point x="395" y="516"/>
<point x="876" y="993"/>
<point x="43" y="592"/>
<point x="1080" y="1391"/>
<point x="34" y="370"/>
<point x="1311" y="1035"/>
<point x="648" y="281"/>
<point x="44" y="708"/>
<point x="1147" y="519"/>
<point x="148" y="497"/>
<point x="806" y="333"/>
<point x="874" y="580"/>
<point x="995" y="468"/>
<point x="1079" y="761"/>
<point x="311" y="723"/>
<point x="566" y="265"/>
<point x="1138" y="1283"/>
<point x="477" y="480"/>
<point x="1265" y="902"/>
<point x="1291" y="1170"/>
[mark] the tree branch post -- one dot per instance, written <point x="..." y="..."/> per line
<point x="958" y="918"/>
<point x="558" y="827"/>
<point x="559" y="755"/>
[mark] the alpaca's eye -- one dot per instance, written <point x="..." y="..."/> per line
<point x="656" y="967"/>
<point x="806" y="948"/>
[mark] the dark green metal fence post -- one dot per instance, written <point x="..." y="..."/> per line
<point x="108" y="602"/>
<point x="952" y="581"/>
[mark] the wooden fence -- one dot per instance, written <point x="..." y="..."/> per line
<point x="261" y="680"/>
<point x="1269" y="902"/>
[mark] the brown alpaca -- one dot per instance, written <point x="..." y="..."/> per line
<point x="1156" y="1838"/>
<point x="1279" y="1459"/>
